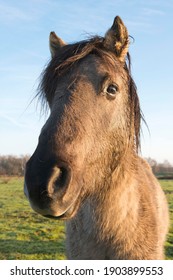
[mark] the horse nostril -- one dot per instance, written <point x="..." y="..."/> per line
<point x="62" y="180"/>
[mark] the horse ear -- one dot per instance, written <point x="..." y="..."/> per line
<point x="55" y="43"/>
<point x="117" y="39"/>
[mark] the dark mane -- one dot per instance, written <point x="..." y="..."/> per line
<point x="71" y="54"/>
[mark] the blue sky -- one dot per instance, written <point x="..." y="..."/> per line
<point x="25" y="27"/>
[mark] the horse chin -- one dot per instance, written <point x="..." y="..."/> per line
<point x="68" y="214"/>
<point x="54" y="212"/>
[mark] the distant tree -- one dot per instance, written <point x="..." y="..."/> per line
<point x="160" y="168"/>
<point x="13" y="165"/>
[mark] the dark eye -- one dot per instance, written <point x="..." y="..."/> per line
<point x="112" y="90"/>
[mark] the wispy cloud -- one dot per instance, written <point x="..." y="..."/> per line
<point x="22" y="11"/>
<point x="12" y="120"/>
<point x="138" y="23"/>
<point x="152" y="12"/>
<point x="10" y="13"/>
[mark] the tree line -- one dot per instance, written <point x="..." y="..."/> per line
<point x="15" y="166"/>
<point x="164" y="169"/>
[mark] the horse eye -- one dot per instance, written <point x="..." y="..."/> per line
<point x="112" y="90"/>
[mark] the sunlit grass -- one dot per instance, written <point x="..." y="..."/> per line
<point x="24" y="234"/>
<point x="27" y="235"/>
<point x="168" y="188"/>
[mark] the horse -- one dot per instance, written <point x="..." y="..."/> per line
<point x="86" y="168"/>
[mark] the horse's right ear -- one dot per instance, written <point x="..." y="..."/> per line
<point x="55" y="43"/>
<point x="117" y="39"/>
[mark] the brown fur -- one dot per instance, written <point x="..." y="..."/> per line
<point x="86" y="168"/>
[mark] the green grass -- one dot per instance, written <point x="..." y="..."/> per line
<point x="167" y="186"/>
<point x="23" y="233"/>
<point x="27" y="235"/>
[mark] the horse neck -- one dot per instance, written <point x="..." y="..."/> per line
<point x="117" y="200"/>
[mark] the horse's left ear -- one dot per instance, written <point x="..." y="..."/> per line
<point x="117" y="39"/>
<point x="55" y="43"/>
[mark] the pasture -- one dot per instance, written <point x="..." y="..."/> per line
<point x="27" y="235"/>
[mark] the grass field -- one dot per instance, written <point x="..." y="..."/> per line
<point x="23" y="233"/>
<point x="26" y="235"/>
<point x="168" y="189"/>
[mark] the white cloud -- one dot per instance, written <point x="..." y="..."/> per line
<point x="9" y="13"/>
<point x="13" y="121"/>
<point x="152" y="12"/>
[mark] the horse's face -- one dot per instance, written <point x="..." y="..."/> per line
<point x="85" y="136"/>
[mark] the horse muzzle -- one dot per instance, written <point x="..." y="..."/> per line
<point x="51" y="189"/>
